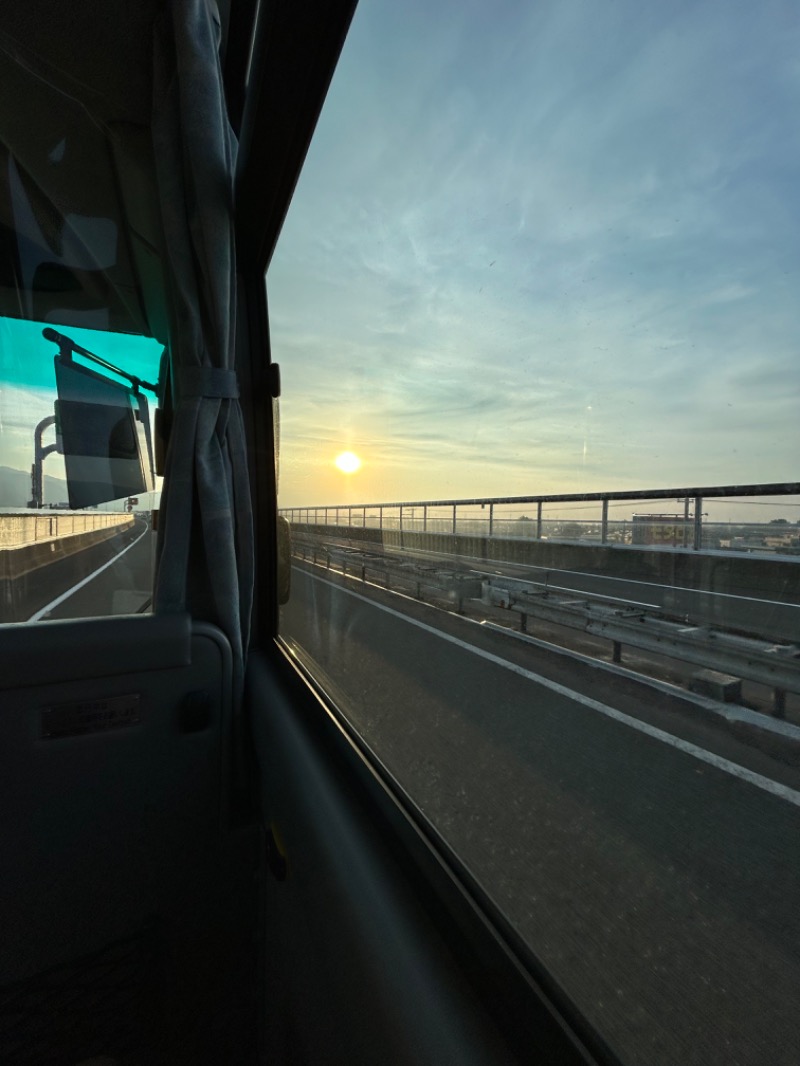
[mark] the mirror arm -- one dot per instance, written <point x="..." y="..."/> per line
<point x="66" y="346"/>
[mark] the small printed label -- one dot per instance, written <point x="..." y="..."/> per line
<point x="89" y="716"/>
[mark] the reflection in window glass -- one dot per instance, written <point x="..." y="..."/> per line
<point x="535" y="308"/>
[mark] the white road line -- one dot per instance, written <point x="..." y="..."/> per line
<point x="653" y="585"/>
<point x="581" y="592"/>
<point x="66" y="595"/>
<point x="783" y="792"/>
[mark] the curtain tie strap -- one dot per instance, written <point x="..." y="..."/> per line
<point x="208" y="382"/>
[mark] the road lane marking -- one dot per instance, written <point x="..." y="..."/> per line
<point x="783" y="792"/>
<point x="66" y="595"/>
<point x="581" y="592"/>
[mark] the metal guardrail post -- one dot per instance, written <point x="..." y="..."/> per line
<point x="425" y="518"/>
<point x="779" y="703"/>
<point x="539" y="520"/>
<point x="604" y="524"/>
<point x="349" y="517"/>
<point x="380" y="519"/>
<point x="698" y="523"/>
<point x="491" y="519"/>
<point x="454" y="519"/>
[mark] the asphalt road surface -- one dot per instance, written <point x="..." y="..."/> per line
<point x="651" y="862"/>
<point x="116" y="577"/>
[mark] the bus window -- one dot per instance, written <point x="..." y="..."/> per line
<point x="77" y="491"/>
<point x="534" y="308"/>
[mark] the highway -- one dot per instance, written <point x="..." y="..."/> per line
<point x="649" y="860"/>
<point x="114" y="577"/>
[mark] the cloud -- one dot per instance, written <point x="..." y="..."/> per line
<point x="21" y="410"/>
<point x="505" y="221"/>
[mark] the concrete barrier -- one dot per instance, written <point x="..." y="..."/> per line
<point x="24" y="580"/>
<point x="17" y="562"/>
<point x="34" y="527"/>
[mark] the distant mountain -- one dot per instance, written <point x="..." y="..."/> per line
<point x="15" y="488"/>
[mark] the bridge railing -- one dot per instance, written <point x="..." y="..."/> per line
<point x="19" y="530"/>
<point x="749" y="518"/>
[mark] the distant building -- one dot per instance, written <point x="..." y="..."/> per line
<point x="669" y="530"/>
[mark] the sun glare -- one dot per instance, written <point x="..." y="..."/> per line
<point x="348" y="462"/>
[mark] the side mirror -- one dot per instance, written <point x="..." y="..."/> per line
<point x="103" y="432"/>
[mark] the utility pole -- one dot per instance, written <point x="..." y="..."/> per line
<point x="39" y="455"/>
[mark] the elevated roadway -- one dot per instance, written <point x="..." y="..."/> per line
<point x="650" y="861"/>
<point x="111" y="576"/>
<point x="120" y="584"/>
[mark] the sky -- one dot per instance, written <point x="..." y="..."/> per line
<point x="545" y="247"/>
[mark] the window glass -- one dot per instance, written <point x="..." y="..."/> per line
<point x="534" y="305"/>
<point x="76" y="485"/>
<point x="82" y="299"/>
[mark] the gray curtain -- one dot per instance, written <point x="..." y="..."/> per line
<point x="205" y="518"/>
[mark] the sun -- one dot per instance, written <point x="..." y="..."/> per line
<point x="347" y="462"/>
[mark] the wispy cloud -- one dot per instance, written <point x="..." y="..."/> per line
<point x="546" y="250"/>
<point x="21" y="410"/>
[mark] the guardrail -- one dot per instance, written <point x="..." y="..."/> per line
<point x="776" y="666"/>
<point x="504" y="516"/>
<point x="453" y="583"/>
<point x="19" y="530"/>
